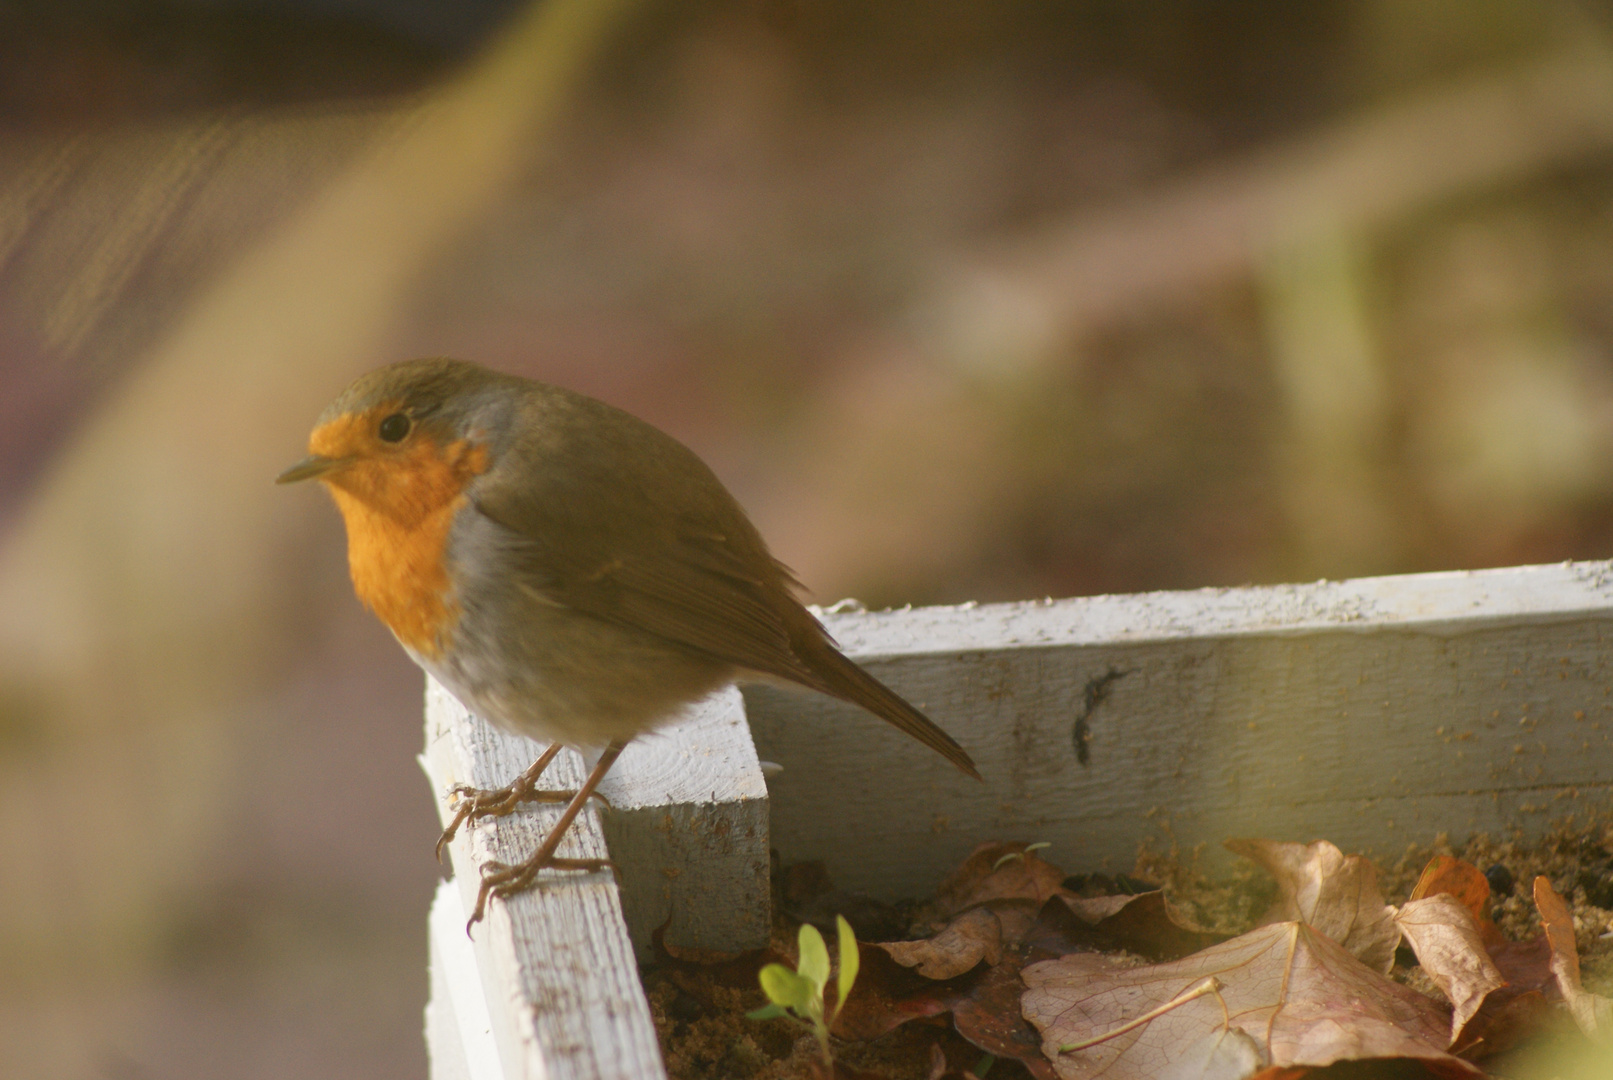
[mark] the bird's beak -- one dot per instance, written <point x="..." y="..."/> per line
<point x="311" y="466"/>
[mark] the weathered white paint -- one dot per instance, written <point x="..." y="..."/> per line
<point x="687" y="828"/>
<point x="1371" y="712"/>
<point x="556" y="963"/>
<point x="459" y="1031"/>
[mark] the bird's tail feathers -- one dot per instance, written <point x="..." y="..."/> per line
<point x="842" y="678"/>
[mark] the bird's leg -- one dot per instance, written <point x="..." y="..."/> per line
<point x="504" y="880"/>
<point x="473" y="804"/>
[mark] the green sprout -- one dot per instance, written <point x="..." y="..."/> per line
<point x="1021" y="854"/>
<point x="798" y="995"/>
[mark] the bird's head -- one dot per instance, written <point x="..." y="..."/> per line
<point x="406" y="438"/>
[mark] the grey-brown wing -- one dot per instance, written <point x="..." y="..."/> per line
<point x="623" y="523"/>
<point x="649" y="539"/>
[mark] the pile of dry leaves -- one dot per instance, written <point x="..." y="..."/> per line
<point x="1015" y="969"/>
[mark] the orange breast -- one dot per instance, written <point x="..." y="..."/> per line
<point x="399" y="510"/>
<point x="398" y="571"/>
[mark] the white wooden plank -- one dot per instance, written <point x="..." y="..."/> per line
<point x="445" y="1050"/>
<point x="687" y="828"/>
<point x="459" y="1031"/>
<point x="556" y="962"/>
<point x="1373" y="712"/>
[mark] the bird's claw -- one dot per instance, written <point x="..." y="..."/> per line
<point x="505" y="880"/>
<point x="473" y="804"/>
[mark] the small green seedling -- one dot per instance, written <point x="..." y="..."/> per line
<point x="1021" y="854"/>
<point x="798" y="995"/>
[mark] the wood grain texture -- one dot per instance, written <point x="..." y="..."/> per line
<point x="556" y="963"/>
<point x="1372" y="712"/>
<point x="688" y="829"/>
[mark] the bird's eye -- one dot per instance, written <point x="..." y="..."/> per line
<point x="394" y="427"/>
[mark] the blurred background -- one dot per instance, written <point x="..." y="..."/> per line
<point x="965" y="301"/>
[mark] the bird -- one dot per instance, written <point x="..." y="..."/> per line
<point x="567" y="571"/>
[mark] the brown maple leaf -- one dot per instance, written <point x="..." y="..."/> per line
<point x="998" y="871"/>
<point x="1300" y="996"/>
<point x="1334" y="893"/>
<point x="1450" y="948"/>
<point x="887" y="995"/>
<point x="988" y="1016"/>
<point x="1592" y="1012"/>
<point x="1461" y="879"/>
<point x="1144" y="923"/>
<point x="973" y="936"/>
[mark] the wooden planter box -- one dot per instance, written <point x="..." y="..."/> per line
<point x="1372" y="712"/>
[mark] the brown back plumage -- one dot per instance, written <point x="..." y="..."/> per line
<point x="620" y="521"/>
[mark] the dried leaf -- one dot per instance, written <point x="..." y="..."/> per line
<point x="1450" y="947"/>
<point x="1145" y="924"/>
<point x="1518" y="1010"/>
<point x="974" y="936"/>
<point x="1018" y="919"/>
<point x="998" y="871"/>
<point x="1333" y="893"/>
<point x="1092" y="910"/>
<point x="984" y="1004"/>
<point x="988" y="1015"/>
<point x="1525" y="964"/>
<point x="1222" y="1054"/>
<point x="1508" y="1016"/>
<point x="939" y="1070"/>
<point x="1058" y="931"/>
<point x="1461" y="879"/>
<point x="1454" y="877"/>
<point x="1592" y="1012"/>
<point x="887" y="995"/>
<point x="1302" y="997"/>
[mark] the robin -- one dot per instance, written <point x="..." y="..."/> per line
<point x="565" y="570"/>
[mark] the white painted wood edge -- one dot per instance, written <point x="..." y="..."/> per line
<point x="445" y="1053"/>
<point x="1452" y="602"/>
<point x="556" y="963"/>
<point x="1374" y="713"/>
<point x="688" y="830"/>
<point x="459" y="1028"/>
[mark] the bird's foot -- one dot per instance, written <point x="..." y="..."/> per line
<point x="505" y="880"/>
<point x="474" y="804"/>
